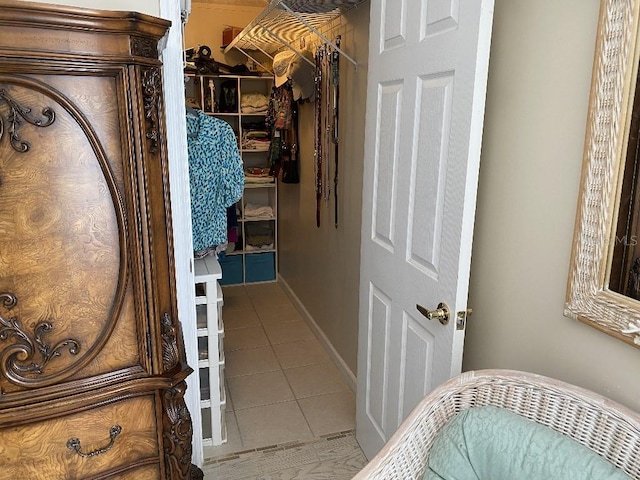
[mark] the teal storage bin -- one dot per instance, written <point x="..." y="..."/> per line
<point x="231" y="269"/>
<point x="260" y="267"/>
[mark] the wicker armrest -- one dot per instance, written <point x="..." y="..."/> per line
<point x="607" y="428"/>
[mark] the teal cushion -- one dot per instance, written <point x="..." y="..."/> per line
<point x="489" y="443"/>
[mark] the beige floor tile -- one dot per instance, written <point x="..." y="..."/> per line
<point x="259" y="389"/>
<point x="240" y="338"/>
<point x="313" y="380"/>
<point x="288" y="332"/>
<point x="272" y="424"/>
<point x="255" y="290"/>
<point x="233" y="443"/>
<point x="229" y="405"/>
<point x="299" y="354"/>
<point x="334" y="412"/>
<point x="264" y="333"/>
<point x="277" y="314"/>
<point x="250" y="361"/>
<point x="235" y="300"/>
<point x="237" y="303"/>
<point x="233" y="291"/>
<point x="316" y="459"/>
<point x="240" y="316"/>
<point x="270" y="301"/>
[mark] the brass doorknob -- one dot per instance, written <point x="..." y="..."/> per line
<point x="441" y="313"/>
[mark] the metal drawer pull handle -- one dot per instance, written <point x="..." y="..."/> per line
<point x="74" y="443"/>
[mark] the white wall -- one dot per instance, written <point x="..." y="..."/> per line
<point x="150" y="7"/>
<point x="206" y="23"/>
<point x="539" y="83"/>
<point x="322" y="265"/>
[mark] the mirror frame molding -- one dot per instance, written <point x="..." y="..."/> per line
<point x="612" y="88"/>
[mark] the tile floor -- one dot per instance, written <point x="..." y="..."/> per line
<point x="335" y="457"/>
<point x="282" y="387"/>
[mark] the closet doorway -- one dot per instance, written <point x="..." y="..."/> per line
<point x="319" y="266"/>
<point x="281" y="360"/>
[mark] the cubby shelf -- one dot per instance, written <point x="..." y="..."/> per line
<point x="240" y="264"/>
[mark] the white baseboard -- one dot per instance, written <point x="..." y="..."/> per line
<point x="348" y="375"/>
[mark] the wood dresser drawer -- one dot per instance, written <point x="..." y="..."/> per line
<point x="149" y="472"/>
<point x="41" y="451"/>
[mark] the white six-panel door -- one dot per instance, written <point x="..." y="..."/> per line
<point x="428" y="62"/>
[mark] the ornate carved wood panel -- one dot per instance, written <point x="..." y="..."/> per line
<point x="61" y="243"/>
<point x="92" y="365"/>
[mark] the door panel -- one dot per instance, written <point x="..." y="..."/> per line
<point x="429" y="166"/>
<point x="428" y="64"/>
<point x="393" y="25"/>
<point x="386" y="165"/>
<point x="415" y="367"/>
<point x="441" y="16"/>
<point x="378" y="340"/>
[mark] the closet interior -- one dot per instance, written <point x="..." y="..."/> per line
<point x="282" y="85"/>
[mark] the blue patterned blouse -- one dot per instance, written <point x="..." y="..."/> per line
<point x="216" y="177"/>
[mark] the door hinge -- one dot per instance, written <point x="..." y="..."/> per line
<point x="148" y="343"/>
<point x="461" y="318"/>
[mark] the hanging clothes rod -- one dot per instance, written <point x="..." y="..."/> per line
<point x="317" y="32"/>
<point x="288" y="45"/>
<point x="284" y="22"/>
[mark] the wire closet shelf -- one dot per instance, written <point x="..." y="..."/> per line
<point x="283" y="23"/>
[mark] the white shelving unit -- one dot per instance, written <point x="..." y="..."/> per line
<point x="211" y="361"/>
<point x="243" y="262"/>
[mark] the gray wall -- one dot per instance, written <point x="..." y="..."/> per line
<point x="322" y="265"/>
<point x="538" y="92"/>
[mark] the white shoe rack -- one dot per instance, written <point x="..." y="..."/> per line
<point x="211" y="359"/>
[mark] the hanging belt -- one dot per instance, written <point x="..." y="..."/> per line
<point x="318" y="133"/>
<point x="335" y="65"/>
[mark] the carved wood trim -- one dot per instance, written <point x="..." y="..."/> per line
<point x="144" y="47"/>
<point x="60" y="17"/>
<point x="17" y="112"/>
<point x="151" y="91"/>
<point x="178" y="431"/>
<point x="128" y="379"/>
<point x="170" y="351"/>
<point x="27" y="357"/>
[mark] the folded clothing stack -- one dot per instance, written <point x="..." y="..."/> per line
<point x="254" y="103"/>
<point x="257" y="175"/>
<point x="258" y="212"/>
<point x="259" y="236"/>
<point x="255" y="140"/>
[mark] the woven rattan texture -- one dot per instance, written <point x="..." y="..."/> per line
<point x="605" y="427"/>
<point x="587" y="300"/>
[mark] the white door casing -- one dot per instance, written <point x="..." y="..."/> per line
<point x="428" y="63"/>
<point x="173" y="83"/>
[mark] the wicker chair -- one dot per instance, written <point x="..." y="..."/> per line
<point x="607" y="428"/>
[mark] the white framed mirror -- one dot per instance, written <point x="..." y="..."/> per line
<point x="600" y="289"/>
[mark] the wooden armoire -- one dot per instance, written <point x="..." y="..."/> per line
<point x="92" y="362"/>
